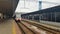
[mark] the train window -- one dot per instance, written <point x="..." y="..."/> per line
<point x="36" y="17"/>
<point x="57" y="16"/>
<point x="30" y="17"/>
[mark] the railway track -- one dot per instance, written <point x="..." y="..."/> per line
<point x="20" y="28"/>
<point x="35" y="29"/>
<point x="25" y="29"/>
<point x="52" y="31"/>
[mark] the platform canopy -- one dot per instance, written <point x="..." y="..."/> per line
<point x="8" y="6"/>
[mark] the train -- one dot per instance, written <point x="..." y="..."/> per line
<point x="17" y="17"/>
<point x="50" y="14"/>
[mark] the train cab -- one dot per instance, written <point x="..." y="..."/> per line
<point x="18" y="19"/>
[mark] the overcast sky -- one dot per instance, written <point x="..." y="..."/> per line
<point x="33" y="5"/>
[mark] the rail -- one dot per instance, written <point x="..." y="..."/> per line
<point x="22" y="29"/>
<point x="44" y="28"/>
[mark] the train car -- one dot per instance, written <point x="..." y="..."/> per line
<point x="49" y="14"/>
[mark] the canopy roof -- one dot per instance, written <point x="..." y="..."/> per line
<point x="8" y="6"/>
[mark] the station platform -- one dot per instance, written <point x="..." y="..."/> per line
<point x="9" y="27"/>
<point x="6" y="27"/>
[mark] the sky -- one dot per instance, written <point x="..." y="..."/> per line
<point x="28" y="6"/>
<point x="33" y="5"/>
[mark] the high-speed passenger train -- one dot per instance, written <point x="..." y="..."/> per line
<point x="7" y="8"/>
<point x="50" y="14"/>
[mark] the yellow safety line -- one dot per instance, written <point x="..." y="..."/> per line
<point x="13" y="29"/>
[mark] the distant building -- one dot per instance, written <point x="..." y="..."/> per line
<point x="40" y="5"/>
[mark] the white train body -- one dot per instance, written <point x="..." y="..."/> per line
<point x="18" y="17"/>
